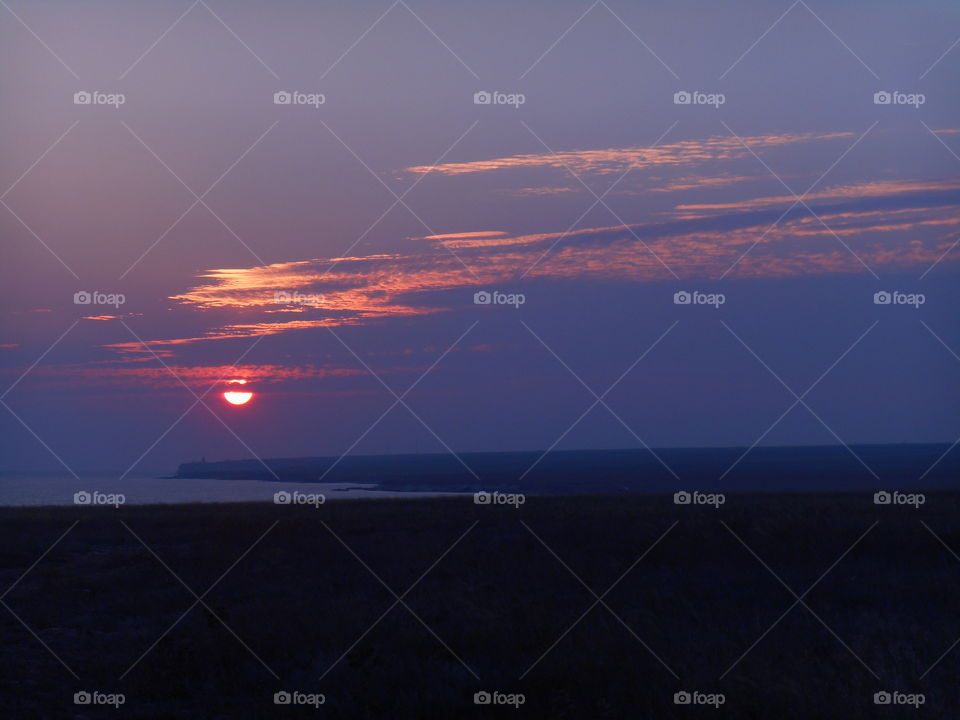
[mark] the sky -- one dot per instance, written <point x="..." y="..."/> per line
<point x="587" y="168"/>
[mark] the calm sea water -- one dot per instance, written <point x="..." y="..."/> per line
<point x="60" y="489"/>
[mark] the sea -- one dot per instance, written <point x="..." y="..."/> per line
<point x="22" y="490"/>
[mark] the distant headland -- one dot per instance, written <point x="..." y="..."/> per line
<point x="801" y="469"/>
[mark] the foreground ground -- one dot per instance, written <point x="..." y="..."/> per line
<point x="595" y="607"/>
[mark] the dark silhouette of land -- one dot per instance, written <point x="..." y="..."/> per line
<point x="700" y="599"/>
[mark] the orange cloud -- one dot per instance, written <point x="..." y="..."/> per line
<point x="618" y="160"/>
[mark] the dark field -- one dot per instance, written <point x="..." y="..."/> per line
<point x="490" y="602"/>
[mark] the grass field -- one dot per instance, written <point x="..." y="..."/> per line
<point x="502" y="599"/>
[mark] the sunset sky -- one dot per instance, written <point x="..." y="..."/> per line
<point x="330" y="253"/>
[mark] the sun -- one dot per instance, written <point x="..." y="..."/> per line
<point x="235" y="397"/>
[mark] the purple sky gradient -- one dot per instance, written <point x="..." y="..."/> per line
<point x="304" y="186"/>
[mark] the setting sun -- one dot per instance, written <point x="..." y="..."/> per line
<point x="235" y="397"/>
